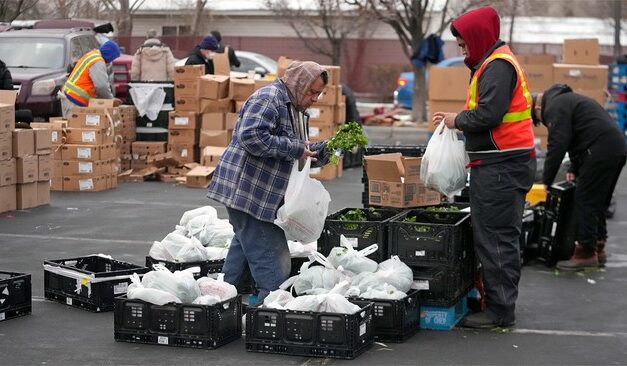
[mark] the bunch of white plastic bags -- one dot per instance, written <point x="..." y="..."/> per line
<point x="161" y="286"/>
<point x="200" y="236"/>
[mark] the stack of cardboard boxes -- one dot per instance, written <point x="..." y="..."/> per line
<point x="126" y="129"/>
<point x="324" y="117"/>
<point x="217" y="119"/>
<point x="447" y="90"/>
<point x="8" y="176"/>
<point x="89" y="156"/>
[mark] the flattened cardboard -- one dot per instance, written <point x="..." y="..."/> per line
<point x="199" y="177"/>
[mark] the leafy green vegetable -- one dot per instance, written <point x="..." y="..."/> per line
<point x="353" y="215"/>
<point x="443" y="209"/>
<point x="348" y="136"/>
<point x="410" y="219"/>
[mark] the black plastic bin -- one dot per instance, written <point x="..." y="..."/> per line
<point x="206" y="267"/>
<point x="558" y="229"/>
<point x="178" y="325"/>
<point x="161" y="121"/>
<point x="443" y="285"/>
<point x="360" y="233"/>
<point x="309" y="334"/>
<point x="15" y="295"/>
<point x="435" y="238"/>
<point x="151" y="134"/>
<point x="90" y="282"/>
<point x="394" y="320"/>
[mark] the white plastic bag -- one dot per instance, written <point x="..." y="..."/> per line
<point x="205" y="210"/>
<point x="443" y="165"/>
<point x="277" y="299"/>
<point x="305" y="206"/>
<point x="207" y="300"/>
<point x="152" y="295"/>
<point x="396" y="273"/>
<point x="356" y="261"/>
<point x="384" y="291"/>
<point x="180" y="283"/>
<point x="219" y="288"/>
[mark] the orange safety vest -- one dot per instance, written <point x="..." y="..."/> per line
<point x="79" y="86"/>
<point x="515" y="132"/>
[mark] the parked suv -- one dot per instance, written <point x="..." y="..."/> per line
<point x="38" y="60"/>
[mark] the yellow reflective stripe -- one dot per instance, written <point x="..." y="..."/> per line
<point x="75" y="89"/>
<point x="78" y="71"/>
<point x="517" y="116"/>
<point x="472" y="104"/>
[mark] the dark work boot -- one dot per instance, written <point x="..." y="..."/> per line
<point x="583" y="258"/>
<point x="482" y="321"/>
<point x="602" y="257"/>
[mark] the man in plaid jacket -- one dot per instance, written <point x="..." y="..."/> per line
<point x="252" y="175"/>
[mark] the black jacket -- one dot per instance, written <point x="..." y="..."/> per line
<point x="579" y="125"/>
<point x="6" y="81"/>
<point x="496" y="86"/>
<point x="195" y="58"/>
<point x="233" y="60"/>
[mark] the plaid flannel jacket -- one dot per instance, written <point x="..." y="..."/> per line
<point x="253" y="172"/>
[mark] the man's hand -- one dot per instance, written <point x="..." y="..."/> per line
<point x="308" y="153"/>
<point x="117" y="102"/>
<point x="448" y="118"/>
<point x="570" y="177"/>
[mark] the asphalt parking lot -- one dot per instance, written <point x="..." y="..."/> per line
<point x="562" y="318"/>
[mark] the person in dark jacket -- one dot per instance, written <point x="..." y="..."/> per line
<point x="580" y="126"/>
<point x="201" y="54"/>
<point x="498" y="129"/>
<point x="233" y="60"/>
<point x="6" y="81"/>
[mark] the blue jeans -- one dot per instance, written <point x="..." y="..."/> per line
<point x="259" y="246"/>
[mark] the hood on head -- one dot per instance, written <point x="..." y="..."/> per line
<point x="550" y="93"/>
<point x="109" y="51"/>
<point x="299" y="76"/>
<point x="480" y="29"/>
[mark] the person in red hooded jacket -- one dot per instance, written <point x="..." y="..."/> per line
<point x="499" y="137"/>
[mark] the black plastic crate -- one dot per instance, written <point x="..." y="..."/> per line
<point x="15" y="295"/>
<point x="558" y="228"/>
<point x="206" y="267"/>
<point x="529" y="235"/>
<point x="310" y="334"/>
<point x="436" y="238"/>
<point x="90" y="282"/>
<point x="353" y="159"/>
<point x="443" y="285"/>
<point x="394" y="320"/>
<point x="161" y="121"/>
<point x="178" y="325"/>
<point x="362" y="234"/>
<point x="166" y="86"/>
<point x="151" y="134"/>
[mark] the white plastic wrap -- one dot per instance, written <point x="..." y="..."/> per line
<point x="210" y="232"/>
<point x="205" y="210"/>
<point x="158" y="251"/>
<point x="207" y="300"/>
<point x="328" y="303"/>
<point x="299" y="250"/>
<point x="216" y="253"/>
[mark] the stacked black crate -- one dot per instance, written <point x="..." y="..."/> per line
<point x="557" y="229"/>
<point x="405" y="150"/>
<point x="153" y="129"/>
<point x="437" y="244"/>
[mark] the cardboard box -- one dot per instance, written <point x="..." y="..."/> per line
<point x="334" y="75"/>
<point x="23" y="142"/>
<point x="186" y="137"/>
<point x="581" y="51"/>
<point x="241" y="89"/>
<point x="27" y="169"/>
<point x="328" y="96"/>
<point x="187" y="104"/>
<point x="321" y="114"/>
<point x="84" y="184"/>
<point x="282" y="64"/>
<point x="443" y="106"/>
<point x="8" y="198"/>
<point x="199" y="177"/>
<point x="319" y="133"/>
<point x="394" y="181"/>
<point x="220" y="138"/>
<point x="89" y="117"/>
<point x="84" y="152"/>
<point x="213" y="121"/>
<point x="8" y="172"/>
<point x="599" y="95"/>
<point x="221" y="63"/>
<point x="260" y="83"/>
<point x="448" y="83"/>
<point x="185" y="153"/>
<point x="536" y="59"/>
<point x="82" y="167"/>
<point x="43" y="141"/>
<point x="26" y="195"/>
<point x="57" y="168"/>
<point x="213" y="86"/>
<point x="148" y="147"/>
<point x="183" y="120"/>
<point x="539" y="77"/>
<point x="231" y="120"/>
<point x="339" y="115"/>
<point x="7" y="110"/>
<point x="186" y="88"/>
<point x="216" y="106"/>
<point x="6" y="145"/>
<point x="238" y="105"/>
<point x="211" y="155"/>
<point x="327" y="172"/>
<point x="101" y="103"/>
<point x="43" y="193"/>
<point x="581" y="76"/>
<point x="44" y="167"/>
<point x="188" y="72"/>
<point x="56" y="184"/>
<point x="88" y="136"/>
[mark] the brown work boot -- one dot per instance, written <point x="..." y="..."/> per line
<point x="583" y="258"/>
<point x="602" y="257"/>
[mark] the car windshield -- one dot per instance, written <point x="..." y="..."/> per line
<point x="45" y="53"/>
